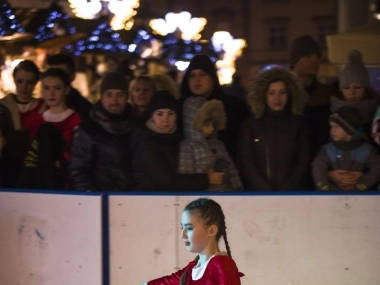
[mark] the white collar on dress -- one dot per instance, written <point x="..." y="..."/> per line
<point x="198" y="271"/>
<point x="55" y="118"/>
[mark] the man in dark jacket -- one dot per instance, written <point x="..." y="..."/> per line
<point x="100" y="159"/>
<point x="74" y="99"/>
<point x="305" y="60"/>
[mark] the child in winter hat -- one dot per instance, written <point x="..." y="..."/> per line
<point x="356" y="91"/>
<point x="201" y="151"/>
<point x="354" y="72"/>
<point x="348" y="119"/>
<point x="162" y="100"/>
<point x="348" y="162"/>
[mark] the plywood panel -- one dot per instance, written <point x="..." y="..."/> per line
<point x="288" y="240"/>
<point x="143" y="237"/>
<point x="48" y="239"/>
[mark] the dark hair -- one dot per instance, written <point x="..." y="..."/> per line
<point x="57" y="73"/>
<point x="277" y="79"/>
<point x="289" y="98"/>
<point x="28" y="66"/>
<point x="62" y="58"/>
<point x="212" y="214"/>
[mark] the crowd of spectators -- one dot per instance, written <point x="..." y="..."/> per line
<point x="287" y="132"/>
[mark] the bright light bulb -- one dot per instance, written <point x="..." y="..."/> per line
<point x="220" y="39"/>
<point x="190" y="30"/>
<point x="94" y="7"/>
<point x="115" y="6"/>
<point x="84" y="9"/>
<point x="225" y="75"/>
<point x="159" y="26"/>
<point x="128" y="25"/>
<point x="182" y="65"/>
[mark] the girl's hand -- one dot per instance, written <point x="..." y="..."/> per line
<point x="215" y="178"/>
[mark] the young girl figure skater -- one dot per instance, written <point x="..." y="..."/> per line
<point x="203" y="224"/>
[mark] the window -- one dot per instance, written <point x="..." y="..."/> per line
<point x="325" y="26"/>
<point x="277" y="33"/>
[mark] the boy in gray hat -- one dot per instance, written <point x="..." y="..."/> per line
<point x="348" y="162"/>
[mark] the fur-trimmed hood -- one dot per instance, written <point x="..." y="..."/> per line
<point x="196" y="110"/>
<point x="211" y="110"/>
<point x="256" y="95"/>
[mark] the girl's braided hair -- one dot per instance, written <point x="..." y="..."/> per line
<point x="212" y="214"/>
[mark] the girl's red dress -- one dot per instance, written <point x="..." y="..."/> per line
<point x="221" y="270"/>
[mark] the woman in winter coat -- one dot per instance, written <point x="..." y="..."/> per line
<point x="155" y="150"/>
<point x="201" y="80"/>
<point x="274" y="151"/>
<point x="19" y="119"/>
<point x="356" y="91"/>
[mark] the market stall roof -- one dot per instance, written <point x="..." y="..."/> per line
<point x="365" y="38"/>
<point x="48" y="30"/>
<point x="11" y="30"/>
<point x="16" y="37"/>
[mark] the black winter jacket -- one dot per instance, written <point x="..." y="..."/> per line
<point x="274" y="152"/>
<point x="78" y="103"/>
<point x="155" y="161"/>
<point x="100" y="159"/>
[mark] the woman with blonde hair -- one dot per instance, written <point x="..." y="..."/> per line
<point x="141" y="91"/>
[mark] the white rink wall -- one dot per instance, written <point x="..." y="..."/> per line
<point x="287" y="240"/>
<point x="56" y="239"/>
<point x="50" y="239"/>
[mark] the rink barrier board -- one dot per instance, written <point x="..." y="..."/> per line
<point x="168" y="251"/>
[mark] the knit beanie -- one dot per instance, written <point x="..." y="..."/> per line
<point x="348" y="118"/>
<point x="203" y="62"/>
<point x="303" y="46"/>
<point x="114" y="80"/>
<point x="162" y="100"/>
<point x="354" y="72"/>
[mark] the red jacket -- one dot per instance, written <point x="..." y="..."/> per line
<point x="221" y="270"/>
